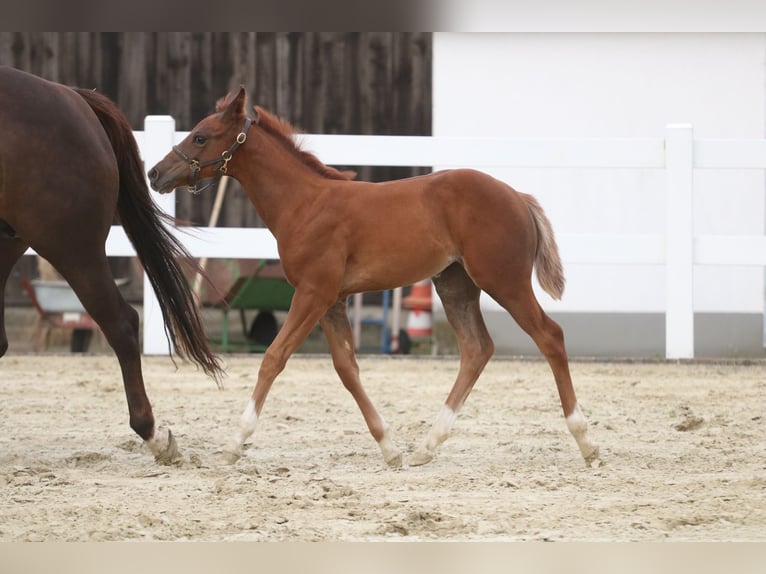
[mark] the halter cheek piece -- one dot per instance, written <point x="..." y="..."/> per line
<point x="196" y="166"/>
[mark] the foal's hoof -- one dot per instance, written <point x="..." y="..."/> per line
<point x="420" y="457"/>
<point x="391" y="454"/>
<point x="395" y="461"/>
<point x="163" y="446"/>
<point x="229" y="457"/>
<point x="593" y="460"/>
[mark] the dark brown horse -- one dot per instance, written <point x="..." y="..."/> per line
<point x="68" y="165"/>
<point x="336" y="237"/>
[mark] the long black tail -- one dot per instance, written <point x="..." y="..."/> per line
<point x="158" y="251"/>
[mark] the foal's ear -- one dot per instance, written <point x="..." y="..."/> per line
<point x="237" y="106"/>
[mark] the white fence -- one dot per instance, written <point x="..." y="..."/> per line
<point x="678" y="249"/>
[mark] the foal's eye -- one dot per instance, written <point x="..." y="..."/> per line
<point x="199" y="139"/>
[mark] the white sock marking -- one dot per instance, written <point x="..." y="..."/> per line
<point x="578" y="426"/>
<point x="247" y="424"/>
<point x="441" y="429"/>
<point x="576" y="422"/>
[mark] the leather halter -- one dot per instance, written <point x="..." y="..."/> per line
<point x="196" y="166"/>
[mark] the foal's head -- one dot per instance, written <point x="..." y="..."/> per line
<point x="203" y="156"/>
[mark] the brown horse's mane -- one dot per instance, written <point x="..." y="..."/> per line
<point x="283" y="132"/>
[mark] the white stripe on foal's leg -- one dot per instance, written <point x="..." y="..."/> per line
<point x="437" y="435"/>
<point x="578" y="426"/>
<point x="247" y="424"/>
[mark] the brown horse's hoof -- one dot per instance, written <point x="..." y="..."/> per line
<point x="164" y="447"/>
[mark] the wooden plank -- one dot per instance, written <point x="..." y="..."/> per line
<point x="314" y="101"/>
<point x="291" y="79"/>
<point x="222" y="68"/>
<point x="282" y="88"/>
<point x="418" y="115"/>
<point x="244" y="58"/>
<point x="22" y="53"/>
<point x="203" y="95"/>
<point x="333" y="53"/>
<point x="411" y="77"/>
<point x="6" y="48"/>
<point x="179" y="78"/>
<point x="87" y="52"/>
<point x="44" y="54"/>
<point x="109" y="73"/>
<point x="379" y="81"/>
<point x="68" y="64"/>
<point x="132" y="91"/>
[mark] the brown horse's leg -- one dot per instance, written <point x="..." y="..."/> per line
<point x="305" y="312"/>
<point x="337" y="329"/>
<point x="11" y="250"/>
<point x="549" y="338"/>
<point x="85" y="268"/>
<point x="460" y="298"/>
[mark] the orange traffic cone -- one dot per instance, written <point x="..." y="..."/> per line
<point x="419" y="323"/>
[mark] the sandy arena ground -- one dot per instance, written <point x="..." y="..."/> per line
<point x="683" y="447"/>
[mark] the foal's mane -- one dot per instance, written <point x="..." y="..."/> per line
<point x="283" y="132"/>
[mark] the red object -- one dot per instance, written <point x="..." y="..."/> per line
<point x="420" y="296"/>
<point x="419" y="303"/>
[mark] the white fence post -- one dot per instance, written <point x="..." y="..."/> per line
<point x="679" y="246"/>
<point x="159" y="139"/>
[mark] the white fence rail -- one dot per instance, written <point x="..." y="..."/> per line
<point x="678" y="249"/>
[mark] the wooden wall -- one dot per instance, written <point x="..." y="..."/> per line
<point x="344" y="82"/>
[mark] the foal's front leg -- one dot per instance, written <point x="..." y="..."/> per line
<point x="305" y="311"/>
<point x="339" y="336"/>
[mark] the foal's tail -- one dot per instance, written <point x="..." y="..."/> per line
<point x="550" y="273"/>
<point x="158" y="251"/>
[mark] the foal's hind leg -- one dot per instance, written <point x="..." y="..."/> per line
<point x="85" y="267"/>
<point x="460" y="297"/>
<point x="549" y="338"/>
<point x="337" y="330"/>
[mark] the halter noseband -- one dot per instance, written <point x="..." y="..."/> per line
<point x="196" y="166"/>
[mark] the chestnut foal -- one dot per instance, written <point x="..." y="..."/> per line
<point x="336" y="237"/>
